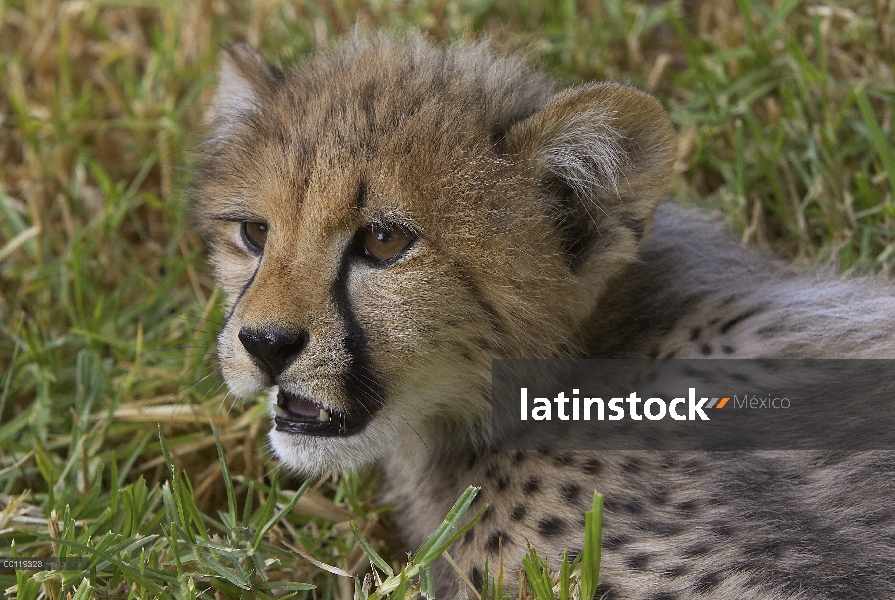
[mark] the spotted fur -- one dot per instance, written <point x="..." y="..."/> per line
<point x="536" y="232"/>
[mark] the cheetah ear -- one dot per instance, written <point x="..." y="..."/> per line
<point x="603" y="156"/>
<point x="243" y="78"/>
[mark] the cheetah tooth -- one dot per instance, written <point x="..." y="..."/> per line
<point x="324" y="415"/>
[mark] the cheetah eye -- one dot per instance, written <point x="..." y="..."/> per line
<point x="254" y="234"/>
<point x="383" y="244"/>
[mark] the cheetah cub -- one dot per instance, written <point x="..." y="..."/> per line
<point x="387" y="217"/>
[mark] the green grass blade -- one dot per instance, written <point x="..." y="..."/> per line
<point x="262" y="531"/>
<point x="424" y="555"/>
<point x="368" y="550"/>
<point x="427" y="583"/>
<point x="85" y="591"/>
<point x="593" y="539"/>
<point x="403" y="584"/>
<point x="565" y="574"/>
<point x="882" y="146"/>
<point x="225" y="473"/>
<point x="450" y="541"/>
<point x="538" y="575"/>
<point x="288" y="586"/>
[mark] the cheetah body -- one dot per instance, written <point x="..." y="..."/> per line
<point x="527" y="224"/>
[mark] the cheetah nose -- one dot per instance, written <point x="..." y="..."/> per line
<point x="273" y="349"/>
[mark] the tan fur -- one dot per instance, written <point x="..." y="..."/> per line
<point x="532" y="212"/>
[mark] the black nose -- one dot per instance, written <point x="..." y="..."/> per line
<point x="273" y="349"/>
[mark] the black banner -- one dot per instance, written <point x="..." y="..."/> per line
<point x="738" y="404"/>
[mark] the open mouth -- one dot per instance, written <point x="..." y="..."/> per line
<point x="298" y="414"/>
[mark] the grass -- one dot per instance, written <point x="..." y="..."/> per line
<point x="108" y="314"/>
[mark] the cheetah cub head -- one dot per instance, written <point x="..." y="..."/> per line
<point x="387" y="217"/>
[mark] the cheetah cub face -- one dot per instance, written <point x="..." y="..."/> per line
<point x="388" y="217"/>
